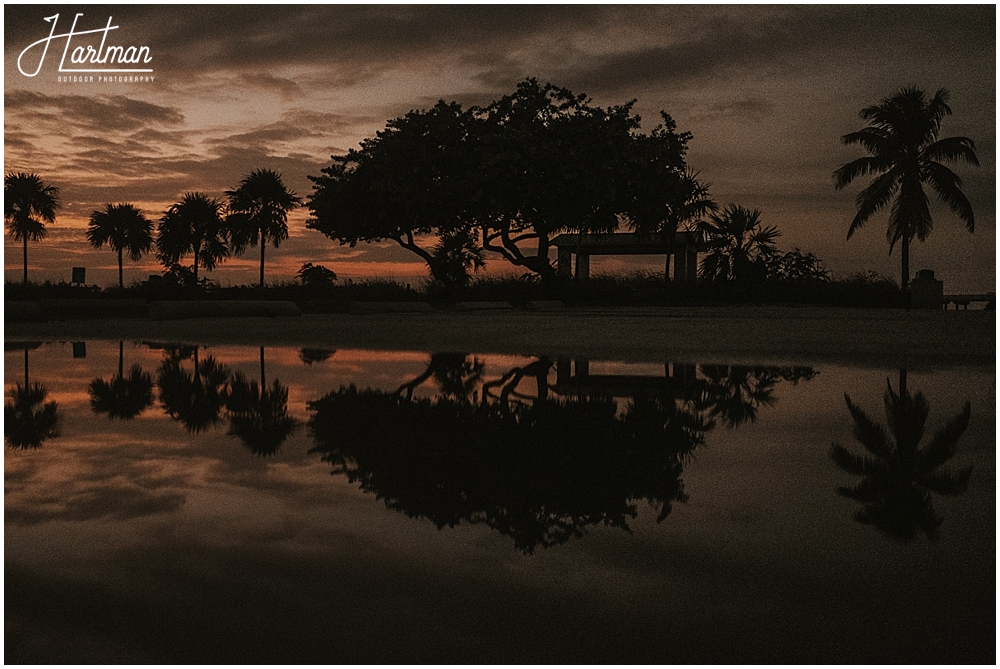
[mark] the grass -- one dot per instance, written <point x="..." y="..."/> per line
<point x="618" y="289"/>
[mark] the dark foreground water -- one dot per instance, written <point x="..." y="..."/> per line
<point x="240" y="505"/>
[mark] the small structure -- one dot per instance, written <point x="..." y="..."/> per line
<point x="79" y="275"/>
<point x="926" y="292"/>
<point x="684" y="247"/>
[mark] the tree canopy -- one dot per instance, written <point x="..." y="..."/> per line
<point x="506" y="178"/>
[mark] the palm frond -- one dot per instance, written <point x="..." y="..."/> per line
<point x="948" y="187"/>
<point x="944" y="444"/>
<point x="870" y="434"/>
<point x="874" y="197"/>
<point x="946" y="483"/>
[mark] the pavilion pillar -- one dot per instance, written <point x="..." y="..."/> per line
<point x="680" y="266"/>
<point x="691" y="256"/>
<point x="564" y="266"/>
<point x="582" y="266"/>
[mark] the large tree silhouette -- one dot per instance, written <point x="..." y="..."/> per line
<point x="906" y="153"/>
<point x="194" y="225"/>
<point x="124" y="396"/>
<point x="258" y="213"/>
<point x="124" y="229"/>
<point x="898" y="475"/>
<point x="504" y="178"/>
<point x="407" y="182"/>
<point x="28" y="203"/>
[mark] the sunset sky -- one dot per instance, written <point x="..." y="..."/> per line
<point x="767" y="92"/>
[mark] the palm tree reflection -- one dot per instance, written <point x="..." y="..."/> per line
<point x="898" y="476"/>
<point x="258" y="413"/>
<point x="28" y="419"/>
<point x="194" y="398"/>
<point x="124" y="396"/>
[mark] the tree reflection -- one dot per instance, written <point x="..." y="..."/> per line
<point x="194" y="398"/>
<point x="456" y="376"/>
<point x="310" y="356"/>
<point x="898" y="476"/>
<point x="537" y="470"/>
<point x="258" y="413"/>
<point x="124" y="396"/>
<point x="735" y="393"/>
<point x="28" y="419"/>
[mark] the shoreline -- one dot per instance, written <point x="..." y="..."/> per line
<point x="741" y="334"/>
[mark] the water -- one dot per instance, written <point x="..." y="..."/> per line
<point x="439" y="511"/>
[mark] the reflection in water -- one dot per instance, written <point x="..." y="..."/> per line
<point x="194" y="398"/>
<point x="898" y="476"/>
<point x="536" y="468"/>
<point x="124" y="396"/>
<point x="735" y="393"/>
<point x="258" y="414"/>
<point x="28" y="419"/>
<point x="539" y="473"/>
<point x="310" y="356"/>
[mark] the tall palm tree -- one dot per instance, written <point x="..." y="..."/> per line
<point x="124" y="229"/>
<point x="124" y="396"/>
<point x="28" y="203"/>
<point x="902" y="139"/>
<point x="259" y="212"/>
<point x="898" y="476"/>
<point x="193" y="225"/>
<point x="739" y="246"/>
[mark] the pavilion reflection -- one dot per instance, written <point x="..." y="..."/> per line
<point x="540" y="464"/>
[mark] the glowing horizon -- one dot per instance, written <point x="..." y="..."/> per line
<point x="766" y="91"/>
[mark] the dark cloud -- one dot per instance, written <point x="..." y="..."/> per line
<point x="89" y="113"/>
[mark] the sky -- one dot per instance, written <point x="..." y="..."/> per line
<point x="766" y="90"/>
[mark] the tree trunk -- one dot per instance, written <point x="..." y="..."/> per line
<point x="25" y="260"/>
<point x="906" y="263"/>
<point x="121" y="358"/>
<point x="121" y="281"/>
<point x="905" y="283"/>
<point x="262" y="381"/>
<point x="262" y="261"/>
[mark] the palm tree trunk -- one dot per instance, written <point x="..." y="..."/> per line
<point x="26" y="367"/>
<point x="121" y="281"/>
<point x="262" y="261"/>
<point x="906" y="263"/>
<point x="121" y="358"/>
<point x="25" y="260"/>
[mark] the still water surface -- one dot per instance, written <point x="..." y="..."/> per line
<point x="236" y="504"/>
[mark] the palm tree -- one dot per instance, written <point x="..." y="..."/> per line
<point x="898" y="475"/>
<point x="123" y="228"/>
<point x="27" y="205"/>
<point x="902" y="139"/>
<point x="259" y="212"/>
<point x="739" y="246"/>
<point x="193" y="225"/>
<point x="258" y="414"/>
<point x="124" y="396"/>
